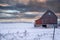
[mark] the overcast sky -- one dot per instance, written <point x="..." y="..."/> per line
<point x="20" y="1"/>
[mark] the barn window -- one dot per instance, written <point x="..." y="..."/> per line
<point x="49" y="13"/>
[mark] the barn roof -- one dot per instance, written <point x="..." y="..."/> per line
<point x="48" y="13"/>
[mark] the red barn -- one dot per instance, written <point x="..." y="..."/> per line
<point x="49" y="19"/>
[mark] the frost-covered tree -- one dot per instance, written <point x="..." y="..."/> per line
<point x="25" y="33"/>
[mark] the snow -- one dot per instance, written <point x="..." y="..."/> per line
<point x="26" y="31"/>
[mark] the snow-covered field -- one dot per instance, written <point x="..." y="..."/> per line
<point x="26" y="31"/>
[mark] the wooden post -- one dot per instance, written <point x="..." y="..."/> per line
<point x="54" y="32"/>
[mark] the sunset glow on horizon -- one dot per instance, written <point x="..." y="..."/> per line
<point x="4" y="5"/>
<point x="42" y="1"/>
<point x="27" y="1"/>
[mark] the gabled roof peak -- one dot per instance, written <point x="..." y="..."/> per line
<point x="49" y="11"/>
